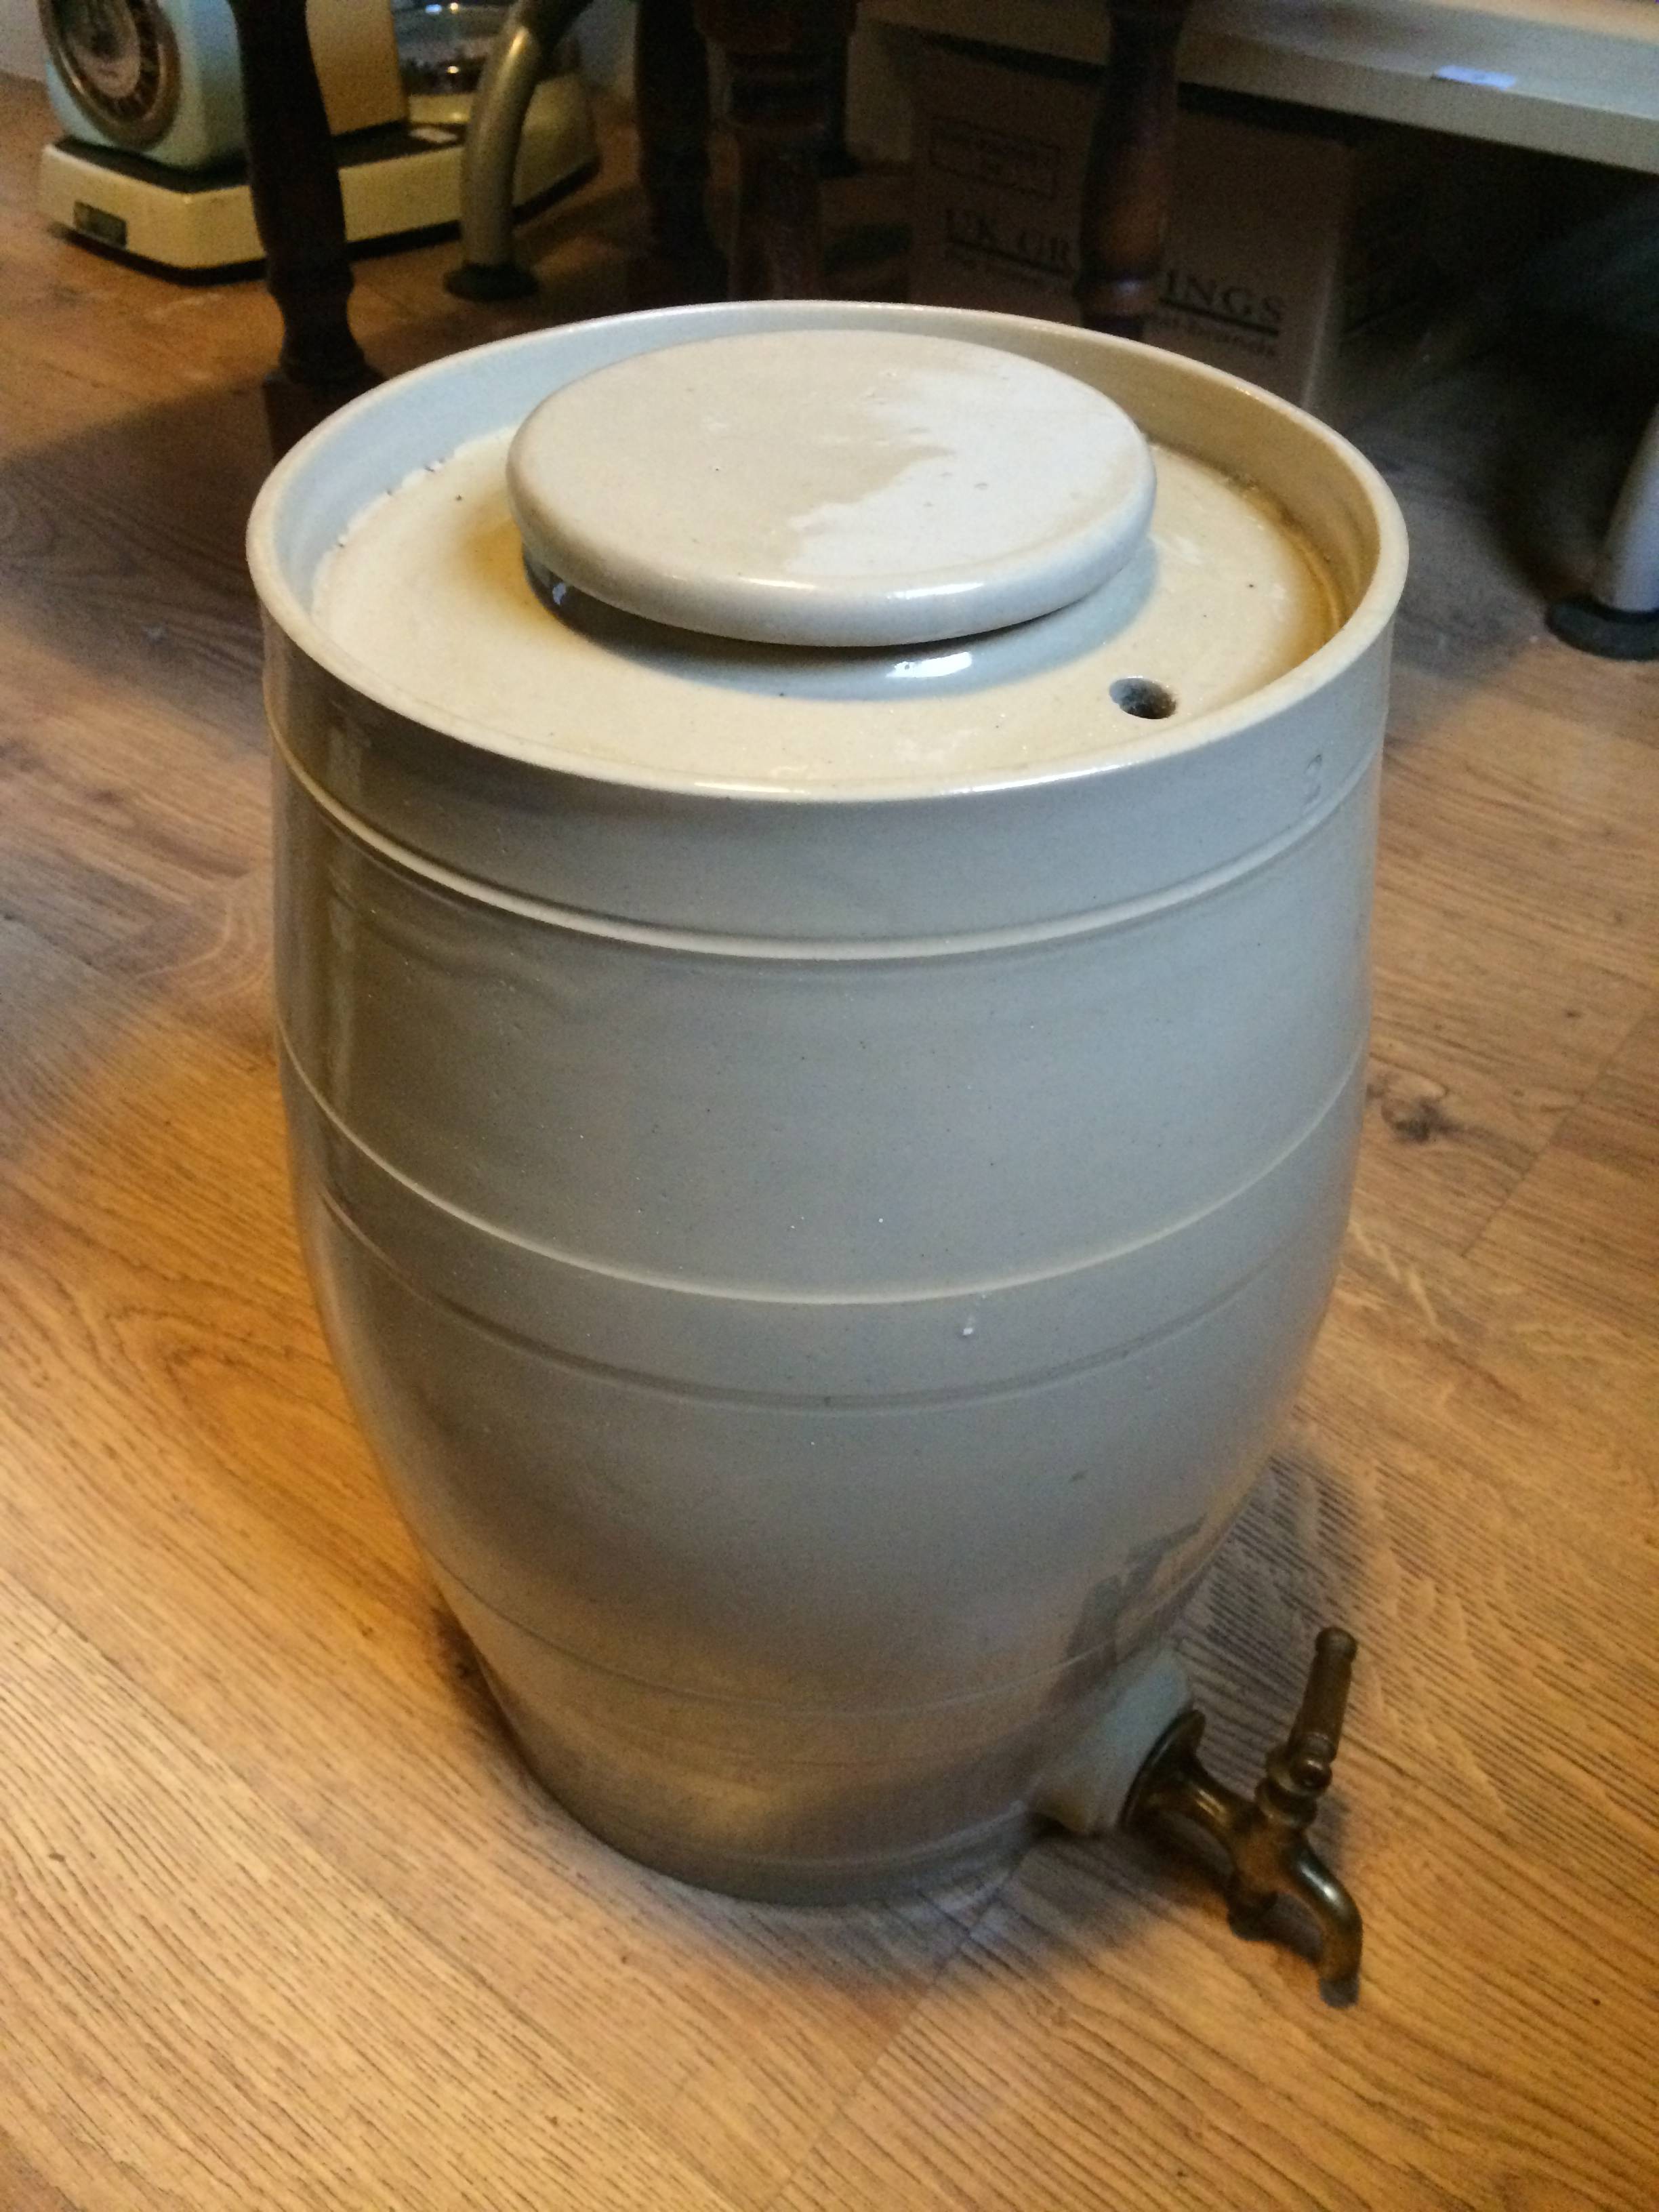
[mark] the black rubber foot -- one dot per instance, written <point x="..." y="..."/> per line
<point x="482" y="280"/>
<point x="1608" y="632"/>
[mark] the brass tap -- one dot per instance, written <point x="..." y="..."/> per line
<point x="1266" y="1837"/>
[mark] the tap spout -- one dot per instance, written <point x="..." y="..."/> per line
<point x="1264" y="1838"/>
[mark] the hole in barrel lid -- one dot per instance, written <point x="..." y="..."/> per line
<point x="1142" y="696"/>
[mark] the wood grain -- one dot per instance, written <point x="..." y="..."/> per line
<point x="1585" y="1221"/>
<point x="186" y="1991"/>
<point x="285" y="1923"/>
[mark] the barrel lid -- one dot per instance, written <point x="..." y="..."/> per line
<point x="851" y="487"/>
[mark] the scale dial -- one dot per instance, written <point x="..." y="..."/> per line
<point x="119" y="59"/>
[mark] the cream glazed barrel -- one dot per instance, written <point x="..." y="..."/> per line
<point x="825" y="862"/>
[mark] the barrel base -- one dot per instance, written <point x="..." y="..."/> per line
<point x="973" y="1852"/>
<point x="714" y="1799"/>
<point x="990" y="1848"/>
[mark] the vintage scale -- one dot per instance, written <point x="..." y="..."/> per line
<point x="150" y="95"/>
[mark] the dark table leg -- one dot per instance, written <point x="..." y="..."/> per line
<point x="785" y="59"/>
<point x="682" y="263"/>
<point x="835" y="157"/>
<point x="296" y="204"/>
<point x="1126" y="204"/>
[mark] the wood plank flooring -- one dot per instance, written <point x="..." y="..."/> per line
<point x="284" y="1925"/>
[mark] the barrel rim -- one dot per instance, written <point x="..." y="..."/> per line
<point x="1368" y="620"/>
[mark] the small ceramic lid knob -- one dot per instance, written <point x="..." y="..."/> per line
<point x="831" y="488"/>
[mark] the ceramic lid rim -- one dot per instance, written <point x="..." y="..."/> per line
<point x="569" y="490"/>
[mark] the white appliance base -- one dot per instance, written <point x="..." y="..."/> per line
<point x="406" y="179"/>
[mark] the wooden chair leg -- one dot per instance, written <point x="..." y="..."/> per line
<point x="297" y="206"/>
<point x="784" y="57"/>
<point x="682" y="263"/>
<point x="1125" y="202"/>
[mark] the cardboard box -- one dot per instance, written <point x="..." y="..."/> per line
<point x="1332" y="260"/>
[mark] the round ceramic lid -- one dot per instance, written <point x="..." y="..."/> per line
<point x="842" y="488"/>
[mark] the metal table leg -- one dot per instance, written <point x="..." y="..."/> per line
<point x="1619" y="617"/>
<point x="524" y="44"/>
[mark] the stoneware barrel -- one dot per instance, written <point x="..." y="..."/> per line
<point x="822" y="992"/>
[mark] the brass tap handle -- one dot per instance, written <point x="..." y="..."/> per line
<point x="1317" y="1729"/>
<point x="1298" y="1774"/>
<point x="1264" y="1838"/>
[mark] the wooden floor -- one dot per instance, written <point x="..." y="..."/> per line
<point x="282" y="1923"/>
